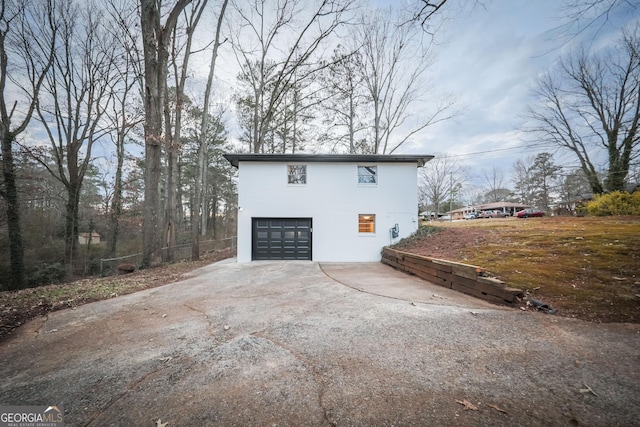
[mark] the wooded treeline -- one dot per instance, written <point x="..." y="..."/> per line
<point x="114" y="119"/>
<point x="535" y="180"/>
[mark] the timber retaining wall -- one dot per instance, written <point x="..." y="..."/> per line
<point x="460" y="277"/>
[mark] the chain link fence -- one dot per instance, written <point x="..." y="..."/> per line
<point x="109" y="266"/>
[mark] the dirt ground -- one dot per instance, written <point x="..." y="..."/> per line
<point x="18" y="307"/>
<point x="449" y="242"/>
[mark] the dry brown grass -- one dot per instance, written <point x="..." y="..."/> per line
<point x="585" y="267"/>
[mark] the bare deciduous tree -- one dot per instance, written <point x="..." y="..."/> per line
<point x="394" y="60"/>
<point x="173" y="127"/>
<point x="440" y="179"/>
<point x="345" y="102"/>
<point x="424" y="10"/>
<point x="494" y="178"/>
<point x="73" y="102"/>
<point x="156" y="39"/>
<point x="581" y="15"/>
<point x="591" y="107"/>
<point x="125" y="112"/>
<point x="197" y="208"/>
<point x="27" y="42"/>
<point x="281" y="36"/>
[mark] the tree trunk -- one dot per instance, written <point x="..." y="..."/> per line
<point x="173" y="141"/>
<point x="204" y="204"/>
<point x="16" y="248"/>
<point x="155" y="39"/>
<point x="172" y="151"/>
<point x="72" y="186"/>
<point x="116" y="202"/>
<point x="197" y="207"/>
<point x="352" y="118"/>
<point x="35" y="23"/>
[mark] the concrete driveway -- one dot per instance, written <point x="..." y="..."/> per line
<point x="301" y="343"/>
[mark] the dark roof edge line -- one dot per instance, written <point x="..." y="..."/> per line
<point x="420" y="159"/>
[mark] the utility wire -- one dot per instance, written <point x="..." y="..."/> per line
<point x="500" y="150"/>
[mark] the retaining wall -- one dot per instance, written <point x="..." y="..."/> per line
<point x="465" y="278"/>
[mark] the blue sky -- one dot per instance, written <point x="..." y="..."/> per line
<point x="490" y="61"/>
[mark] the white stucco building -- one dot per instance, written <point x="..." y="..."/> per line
<point x="325" y="208"/>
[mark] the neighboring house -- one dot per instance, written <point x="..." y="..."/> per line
<point x="506" y="208"/>
<point x="428" y="215"/>
<point x="338" y="208"/>
<point x="487" y="209"/>
<point x="83" y="238"/>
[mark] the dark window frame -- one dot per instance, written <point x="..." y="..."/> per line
<point x="368" y="174"/>
<point x="296" y="174"/>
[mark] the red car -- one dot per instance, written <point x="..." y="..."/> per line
<point x="526" y="213"/>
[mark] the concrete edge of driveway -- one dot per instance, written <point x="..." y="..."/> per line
<point x="382" y="280"/>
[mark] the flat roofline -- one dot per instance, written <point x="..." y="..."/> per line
<point x="419" y="159"/>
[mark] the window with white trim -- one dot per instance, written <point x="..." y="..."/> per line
<point x="367" y="174"/>
<point x="366" y="223"/>
<point x="297" y="174"/>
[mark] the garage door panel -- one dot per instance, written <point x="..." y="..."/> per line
<point x="261" y="223"/>
<point x="281" y="239"/>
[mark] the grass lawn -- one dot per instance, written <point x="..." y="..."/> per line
<point x="585" y="267"/>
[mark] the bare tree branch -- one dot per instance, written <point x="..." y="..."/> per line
<point x="27" y="42"/>
<point x="591" y="107"/>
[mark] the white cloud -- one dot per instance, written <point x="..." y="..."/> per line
<point x="490" y="63"/>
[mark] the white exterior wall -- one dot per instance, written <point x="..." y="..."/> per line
<point x="333" y="198"/>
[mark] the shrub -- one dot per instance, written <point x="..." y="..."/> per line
<point x="615" y="203"/>
<point x="423" y="231"/>
<point x="5" y="276"/>
<point x="46" y="274"/>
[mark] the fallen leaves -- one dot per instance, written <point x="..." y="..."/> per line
<point x="588" y="389"/>
<point x="19" y="306"/>
<point x="496" y="408"/>
<point x="468" y="406"/>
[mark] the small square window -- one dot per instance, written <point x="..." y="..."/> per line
<point x="297" y="174"/>
<point x="367" y="174"/>
<point x="366" y="223"/>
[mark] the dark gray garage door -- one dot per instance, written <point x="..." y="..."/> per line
<point x="281" y="238"/>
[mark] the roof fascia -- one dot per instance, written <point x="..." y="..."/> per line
<point x="420" y="160"/>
